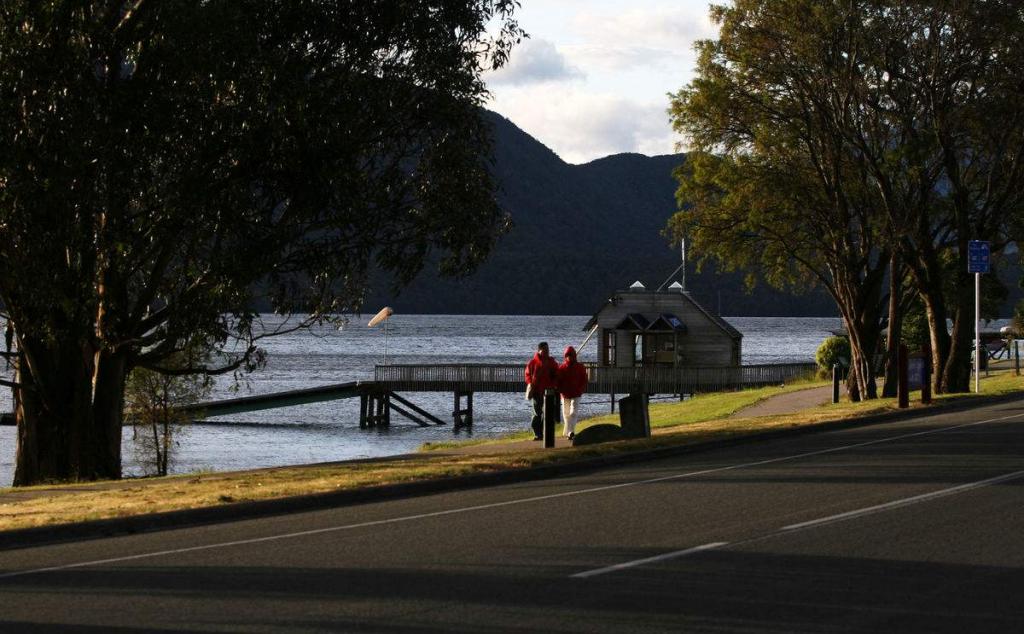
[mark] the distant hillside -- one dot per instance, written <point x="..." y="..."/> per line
<point x="581" y="232"/>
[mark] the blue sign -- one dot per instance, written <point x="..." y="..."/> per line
<point x="978" y="253"/>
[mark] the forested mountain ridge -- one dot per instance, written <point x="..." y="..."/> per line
<point x="579" y="233"/>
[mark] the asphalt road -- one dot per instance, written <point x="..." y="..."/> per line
<point x="911" y="526"/>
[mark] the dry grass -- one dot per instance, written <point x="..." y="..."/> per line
<point x="60" y="504"/>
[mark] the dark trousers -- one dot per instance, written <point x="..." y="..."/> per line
<point x="538" y="415"/>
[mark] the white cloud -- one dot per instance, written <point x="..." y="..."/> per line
<point x="581" y="125"/>
<point x="534" y="61"/>
<point x="673" y="28"/>
<point x="614" y="63"/>
<point x="623" y="58"/>
<point x="640" y="37"/>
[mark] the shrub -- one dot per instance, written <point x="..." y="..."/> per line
<point x="153" y="401"/>
<point x="832" y="351"/>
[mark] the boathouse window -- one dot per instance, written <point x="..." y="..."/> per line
<point x="609" y="347"/>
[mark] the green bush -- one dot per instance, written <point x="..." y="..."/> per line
<point x="832" y="351"/>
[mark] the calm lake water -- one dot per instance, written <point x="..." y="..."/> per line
<point x="330" y="431"/>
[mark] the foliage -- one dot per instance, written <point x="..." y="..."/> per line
<point x="771" y="185"/>
<point x="832" y="351"/>
<point x="182" y="159"/>
<point x="915" y="326"/>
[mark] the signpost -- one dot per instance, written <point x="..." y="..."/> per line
<point x="978" y="262"/>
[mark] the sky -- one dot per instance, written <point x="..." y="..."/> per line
<point x="594" y="76"/>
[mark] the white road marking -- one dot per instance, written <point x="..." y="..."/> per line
<point x="839" y="517"/>
<point x="895" y="504"/>
<point x="648" y="560"/>
<point x="494" y="505"/>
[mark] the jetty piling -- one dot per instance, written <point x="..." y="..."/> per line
<point x="463" y="416"/>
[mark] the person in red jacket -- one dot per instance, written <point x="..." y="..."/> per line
<point x="572" y="383"/>
<point x="541" y="374"/>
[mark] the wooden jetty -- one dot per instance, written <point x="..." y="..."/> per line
<point x="379" y="397"/>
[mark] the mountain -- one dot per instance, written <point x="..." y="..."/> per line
<point x="581" y="232"/>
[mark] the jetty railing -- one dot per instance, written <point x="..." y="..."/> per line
<point x="603" y="380"/>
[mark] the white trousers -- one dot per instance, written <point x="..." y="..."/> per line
<point x="570" y="414"/>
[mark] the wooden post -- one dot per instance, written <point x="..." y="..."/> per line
<point x="363" y="402"/>
<point x="1016" y="357"/>
<point x="378" y="407"/>
<point x="613" y="402"/>
<point x="835" y="383"/>
<point x="469" y="409"/>
<point x="926" y="376"/>
<point x="550" y="416"/>
<point x="902" y="388"/>
<point x="386" y="399"/>
<point x="457" y="410"/>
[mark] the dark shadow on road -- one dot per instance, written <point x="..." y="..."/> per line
<point x="721" y="591"/>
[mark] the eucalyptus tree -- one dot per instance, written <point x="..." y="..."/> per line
<point x="917" y="106"/>
<point x="165" y="164"/>
<point x="772" y="184"/>
<point x="942" y="135"/>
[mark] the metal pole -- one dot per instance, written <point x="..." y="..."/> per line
<point x="1016" y="357"/>
<point x="835" y="383"/>
<point x="682" y="249"/>
<point x="977" y="333"/>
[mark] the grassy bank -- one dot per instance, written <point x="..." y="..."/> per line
<point x="700" y="408"/>
<point x="695" y="421"/>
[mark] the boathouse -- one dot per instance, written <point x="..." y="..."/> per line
<point x="638" y="327"/>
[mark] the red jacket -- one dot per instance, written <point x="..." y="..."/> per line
<point x="541" y="373"/>
<point x="572" y="379"/>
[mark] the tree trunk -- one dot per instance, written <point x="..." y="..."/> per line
<point x="928" y="277"/>
<point x="863" y="332"/>
<point x="41" y="453"/>
<point x="858" y="300"/>
<point x="892" y="341"/>
<point x="956" y="374"/>
<point x="66" y="427"/>
<point x="951" y="352"/>
<point x="108" y="406"/>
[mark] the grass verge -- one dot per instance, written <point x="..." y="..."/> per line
<point x="700" y="408"/>
<point x="62" y="504"/>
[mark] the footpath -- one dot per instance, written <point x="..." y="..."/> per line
<point x="788" y="403"/>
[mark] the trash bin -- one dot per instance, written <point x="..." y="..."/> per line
<point x="634" y="417"/>
<point x="982" y="356"/>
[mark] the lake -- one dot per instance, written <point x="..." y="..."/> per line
<point x="330" y="431"/>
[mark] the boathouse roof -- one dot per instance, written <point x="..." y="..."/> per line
<point x="658" y="320"/>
